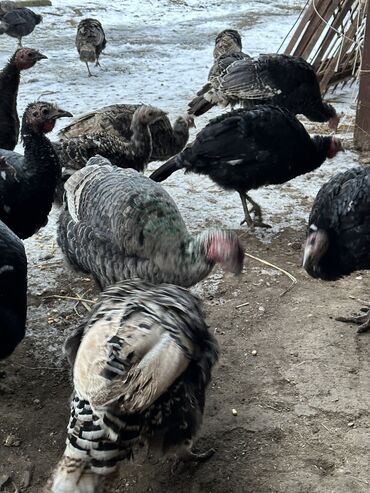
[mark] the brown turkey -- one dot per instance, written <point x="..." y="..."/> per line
<point x="90" y="41"/>
<point x="282" y="80"/>
<point x="116" y="120"/>
<point x="73" y="153"/>
<point x="23" y="59"/>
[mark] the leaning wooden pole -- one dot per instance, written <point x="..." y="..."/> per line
<point x="362" y="125"/>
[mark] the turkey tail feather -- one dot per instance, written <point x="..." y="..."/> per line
<point x="198" y="106"/>
<point x="166" y="170"/>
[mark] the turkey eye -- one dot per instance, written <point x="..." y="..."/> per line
<point x="45" y="112"/>
<point x="29" y="54"/>
<point x="35" y="113"/>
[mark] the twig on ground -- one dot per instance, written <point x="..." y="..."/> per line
<point x="243" y="304"/>
<point x="288" y="274"/>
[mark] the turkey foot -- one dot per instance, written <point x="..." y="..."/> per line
<point x="257" y="212"/>
<point x="185" y="454"/>
<point x="362" y="320"/>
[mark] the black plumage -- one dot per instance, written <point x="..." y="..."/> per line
<point x="281" y="80"/>
<point x="27" y="183"/>
<point x="23" y="59"/>
<point x="90" y="41"/>
<point x="118" y="224"/>
<point x="338" y="236"/>
<point x="116" y="121"/>
<point x="246" y="149"/>
<point x="13" y="291"/>
<point x="17" y="22"/>
<point x="141" y="366"/>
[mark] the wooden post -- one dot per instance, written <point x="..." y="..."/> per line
<point x="362" y="126"/>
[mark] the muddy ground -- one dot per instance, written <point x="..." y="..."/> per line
<point x="302" y="421"/>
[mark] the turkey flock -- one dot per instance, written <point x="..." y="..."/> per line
<point x="142" y="360"/>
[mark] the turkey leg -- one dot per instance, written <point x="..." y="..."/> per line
<point x="185" y="454"/>
<point x="362" y="320"/>
<point x="88" y="69"/>
<point x="256" y="208"/>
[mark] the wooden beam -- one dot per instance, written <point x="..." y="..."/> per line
<point x="362" y="125"/>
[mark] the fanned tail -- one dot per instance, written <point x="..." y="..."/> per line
<point x="166" y="170"/>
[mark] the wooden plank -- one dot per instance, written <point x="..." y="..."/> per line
<point x="301" y="27"/>
<point x="326" y="12"/>
<point x="362" y="125"/>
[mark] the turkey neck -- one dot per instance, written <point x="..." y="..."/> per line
<point x="186" y="263"/>
<point x="9" y="84"/>
<point x="319" y="111"/>
<point x="322" y="145"/>
<point x="41" y="168"/>
<point x="141" y="139"/>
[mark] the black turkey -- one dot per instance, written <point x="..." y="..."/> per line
<point x="338" y="236"/>
<point x="281" y="80"/>
<point x="90" y="41"/>
<point x="118" y="224"/>
<point x="17" y="22"/>
<point x="23" y="59"/>
<point x="247" y="149"/>
<point x="13" y="291"/>
<point x="141" y="366"/>
<point x="116" y="120"/>
<point x="27" y="183"/>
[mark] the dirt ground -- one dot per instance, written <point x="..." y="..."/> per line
<point x="302" y="422"/>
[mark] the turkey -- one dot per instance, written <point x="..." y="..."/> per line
<point x="118" y="225"/>
<point x="23" y="59"/>
<point x="135" y="153"/>
<point x="338" y="236"/>
<point x="13" y="290"/>
<point x="17" y="22"/>
<point x="281" y="80"/>
<point x="141" y="366"/>
<point x="247" y="149"/>
<point x="90" y="41"/>
<point x="228" y="49"/>
<point x="116" y="120"/>
<point x="27" y="183"/>
<point x="227" y="42"/>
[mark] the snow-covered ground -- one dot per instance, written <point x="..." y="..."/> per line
<point x="159" y="52"/>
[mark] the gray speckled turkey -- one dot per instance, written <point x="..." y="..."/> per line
<point x="118" y="224"/>
<point x="141" y="365"/>
<point x="116" y="120"/>
<point x="90" y="41"/>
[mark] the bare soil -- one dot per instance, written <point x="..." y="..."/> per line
<point x="302" y="402"/>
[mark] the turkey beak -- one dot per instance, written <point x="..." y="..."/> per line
<point x="40" y="56"/>
<point x="61" y="114"/>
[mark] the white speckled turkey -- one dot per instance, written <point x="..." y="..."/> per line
<point x="118" y="224"/>
<point x="116" y="120"/>
<point x="141" y="365"/>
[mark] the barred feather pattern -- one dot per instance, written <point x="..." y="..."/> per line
<point x="115" y="120"/>
<point x="119" y="224"/>
<point x="90" y="40"/>
<point x="140" y="375"/>
<point x="282" y="80"/>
